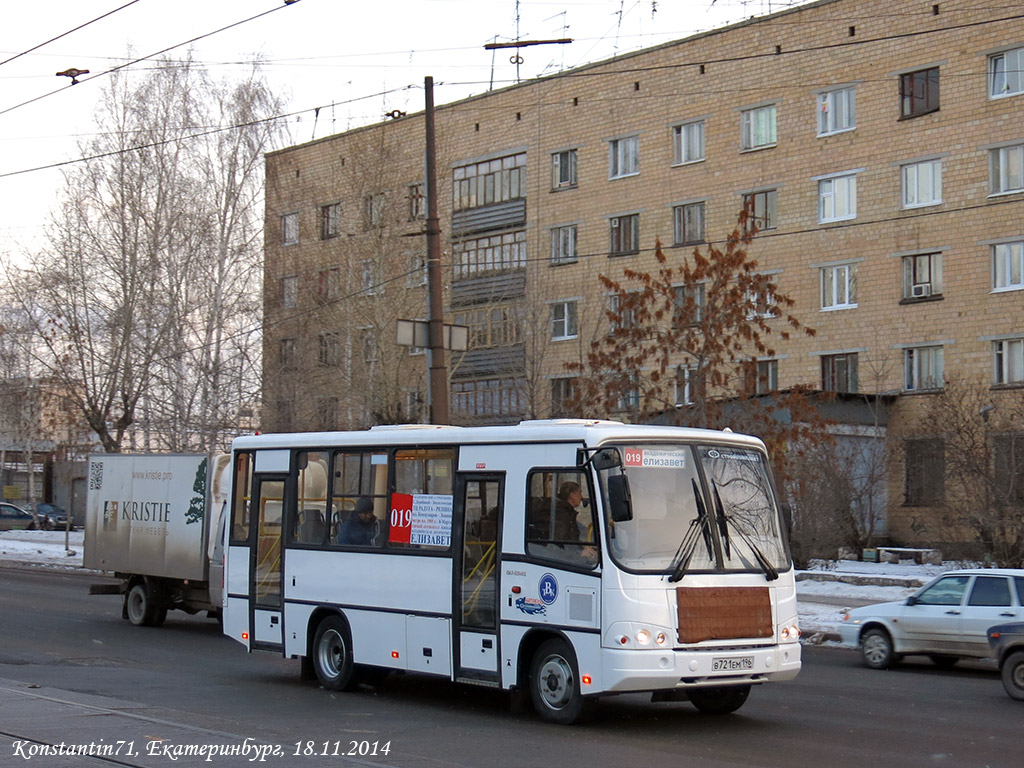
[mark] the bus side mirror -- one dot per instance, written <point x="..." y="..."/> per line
<point x="621" y="508"/>
<point x="787" y="518"/>
<point x="605" y="459"/>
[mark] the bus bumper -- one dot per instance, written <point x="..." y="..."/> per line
<point x="652" y="670"/>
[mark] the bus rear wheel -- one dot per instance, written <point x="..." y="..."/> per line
<point x="332" y="654"/>
<point x="721" y="700"/>
<point x="555" y="683"/>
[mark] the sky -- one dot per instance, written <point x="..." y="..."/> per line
<point x="356" y="61"/>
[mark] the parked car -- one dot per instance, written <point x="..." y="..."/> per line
<point x="1007" y="643"/>
<point x="946" y="620"/>
<point x="50" y="517"/>
<point x="14" y="518"/>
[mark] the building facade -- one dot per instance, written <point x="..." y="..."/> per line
<point x="880" y="147"/>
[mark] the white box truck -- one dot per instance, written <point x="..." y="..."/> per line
<point x="156" y="521"/>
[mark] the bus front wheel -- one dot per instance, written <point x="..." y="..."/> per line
<point x="555" y="683"/>
<point x="332" y="654"/>
<point x="721" y="700"/>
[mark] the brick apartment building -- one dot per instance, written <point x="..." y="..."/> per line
<point x="880" y="145"/>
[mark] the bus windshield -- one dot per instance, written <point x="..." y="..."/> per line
<point x="693" y="508"/>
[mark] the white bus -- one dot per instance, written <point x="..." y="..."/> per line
<point x="570" y="559"/>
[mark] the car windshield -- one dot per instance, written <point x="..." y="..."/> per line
<point x="693" y="508"/>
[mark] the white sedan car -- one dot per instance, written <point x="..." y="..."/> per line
<point x="945" y="620"/>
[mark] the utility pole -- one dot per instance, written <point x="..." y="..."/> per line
<point x="437" y="383"/>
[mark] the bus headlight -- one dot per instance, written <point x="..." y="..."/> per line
<point x="790" y="633"/>
<point x="643" y="637"/>
<point x="629" y="635"/>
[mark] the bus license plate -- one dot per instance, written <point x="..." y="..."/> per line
<point x="732" y="665"/>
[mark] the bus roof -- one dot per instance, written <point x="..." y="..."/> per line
<point x="589" y="432"/>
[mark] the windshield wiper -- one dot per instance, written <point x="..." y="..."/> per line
<point x="681" y="560"/>
<point x="724" y="521"/>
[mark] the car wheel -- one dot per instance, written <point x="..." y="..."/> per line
<point x="332" y="654"/>
<point x="719" y="701"/>
<point x="876" y="649"/>
<point x="944" y="662"/>
<point x="1012" y="671"/>
<point x="555" y="683"/>
<point x="140" y="606"/>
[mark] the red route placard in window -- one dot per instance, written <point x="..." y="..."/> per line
<point x="401" y="518"/>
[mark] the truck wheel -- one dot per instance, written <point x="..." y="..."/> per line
<point x="332" y="654"/>
<point x="876" y="649"/>
<point x="555" y="683"/>
<point x="720" y="700"/>
<point x="1012" y="672"/>
<point x="140" y="607"/>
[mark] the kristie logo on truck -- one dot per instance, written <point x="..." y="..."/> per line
<point x="140" y="511"/>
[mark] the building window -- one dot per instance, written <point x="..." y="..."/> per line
<point x="563" y="320"/>
<point x="563" y="244"/>
<point x="689" y="303"/>
<point x="919" y="92"/>
<point x="417" y="202"/>
<point x="417" y="273"/>
<point x="329" y="352"/>
<point x="761" y="208"/>
<point x="488" y="397"/>
<point x="1008" y="266"/>
<point x="1006" y="169"/>
<point x="839" y="372"/>
<point x="922" y="183"/>
<point x="623" y="157"/>
<point x="1006" y="73"/>
<point x="327" y="413"/>
<point x="837" y="111"/>
<point x="373" y="211"/>
<point x="1008" y="356"/>
<point x="328" y="284"/>
<point x="369" y="343"/>
<point x="289" y="291"/>
<point x="621" y="313"/>
<point x="490" y="181"/>
<point x="563" y="392"/>
<point x="758" y="127"/>
<point x="290" y="229"/>
<point x="837" y="198"/>
<point x="368" y="277"/>
<point x="1008" y="451"/>
<point x="625" y="234"/>
<point x="688" y="223"/>
<point x="330" y="221"/>
<point x="688" y="142"/>
<point x="762" y="376"/>
<point x="925" y="472"/>
<point x="286" y="356"/>
<point x="628" y="389"/>
<point x="923" y="368"/>
<point x="494" y="326"/>
<point x="689" y="386"/>
<point x="839" y="286"/>
<point x="496" y="253"/>
<point x="922" y="276"/>
<point x="563" y="169"/>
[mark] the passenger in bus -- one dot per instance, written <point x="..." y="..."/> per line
<point x="361" y="527"/>
<point x="568" y="527"/>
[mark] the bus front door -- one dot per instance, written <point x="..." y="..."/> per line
<point x="475" y="618"/>
<point x="268" y="496"/>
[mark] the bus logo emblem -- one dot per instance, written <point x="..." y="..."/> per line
<point x="548" y="588"/>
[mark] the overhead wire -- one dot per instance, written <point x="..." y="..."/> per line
<point x="144" y="58"/>
<point x="65" y="34"/>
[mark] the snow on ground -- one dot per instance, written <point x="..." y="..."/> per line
<point x="820" y="601"/>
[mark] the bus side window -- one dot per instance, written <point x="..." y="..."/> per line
<point x="559" y="524"/>
<point x="240" y="515"/>
<point x="428" y="472"/>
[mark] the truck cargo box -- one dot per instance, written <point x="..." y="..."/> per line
<point x="147" y="514"/>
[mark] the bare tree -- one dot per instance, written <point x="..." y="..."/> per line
<point x="153" y="260"/>
<point x="966" y="452"/>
